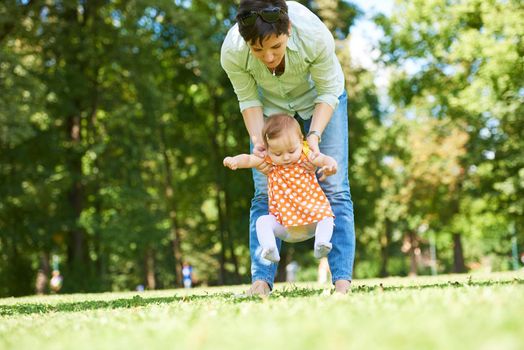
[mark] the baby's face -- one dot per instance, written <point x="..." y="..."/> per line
<point x="285" y="149"/>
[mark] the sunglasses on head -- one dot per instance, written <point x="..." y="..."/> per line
<point x="269" y="15"/>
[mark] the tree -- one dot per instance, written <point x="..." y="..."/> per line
<point x="469" y="70"/>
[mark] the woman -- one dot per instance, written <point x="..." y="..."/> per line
<point x="280" y="58"/>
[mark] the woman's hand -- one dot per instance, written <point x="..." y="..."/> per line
<point x="308" y="166"/>
<point x="312" y="141"/>
<point x="259" y="150"/>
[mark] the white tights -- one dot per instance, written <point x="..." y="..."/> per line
<point x="268" y="228"/>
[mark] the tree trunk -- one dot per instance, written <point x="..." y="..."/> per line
<point x="234" y="260"/>
<point x="385" y="241"/>
<point x="222" y="230"/>
<point x="98" y="246"/>
<point x="227" y="218"/>
<point x="76" y="245"/>
<point x="458" y="254"/>
<point x="169" y="193"/>
<point x="92" y="131"/>
<point x="177" y="251"/>
<point x="413" y="269"/>
<point x="150" y="269"/>
<point x="77" y="257"/>
<point x="219" y="200"/>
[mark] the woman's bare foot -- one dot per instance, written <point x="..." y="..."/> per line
<point x="260" y="288"/>
<point x="342" y="286"/>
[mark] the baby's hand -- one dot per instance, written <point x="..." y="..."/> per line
<point x="329" y="168"/>
<point x="231" y="163"/>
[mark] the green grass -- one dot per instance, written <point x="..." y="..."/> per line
<point x="447" y="312"/>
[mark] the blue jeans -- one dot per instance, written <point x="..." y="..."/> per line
<point x="335" y="144"/>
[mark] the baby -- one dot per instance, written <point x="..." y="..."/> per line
<point x="298" y="208"/>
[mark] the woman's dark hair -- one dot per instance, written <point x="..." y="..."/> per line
<point x="262" y="29"/>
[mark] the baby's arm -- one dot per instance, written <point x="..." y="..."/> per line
<point x="242" y="161"/>
<point x="328" y="165"/>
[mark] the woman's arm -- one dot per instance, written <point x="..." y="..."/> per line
<point x="328" y="76"/>
<point x="242" y="161"/>
<point x="321" y="117"/>
<point x="233" y="61"/>
<point x="254" y="121"/>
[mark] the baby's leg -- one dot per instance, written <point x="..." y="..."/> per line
<point x="323" y="234"/>
<point x="266" y="225"/>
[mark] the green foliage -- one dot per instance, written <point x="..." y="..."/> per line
<point x="115" y="117"/>
<point x="461" y="63"/>
<point x="111" y="98"/>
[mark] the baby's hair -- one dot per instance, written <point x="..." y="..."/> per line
<point x="278" y="123"/>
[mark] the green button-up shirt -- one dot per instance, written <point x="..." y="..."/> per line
<point x="312" y="74"/>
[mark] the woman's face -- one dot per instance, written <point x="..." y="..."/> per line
<point x="272" y="50"/>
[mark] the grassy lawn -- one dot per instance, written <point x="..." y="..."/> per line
<point x="445" y="312"/>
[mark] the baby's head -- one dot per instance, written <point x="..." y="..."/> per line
<point x="283" y="139"/>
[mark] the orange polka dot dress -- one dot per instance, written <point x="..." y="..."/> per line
<point x="295" y="197"/>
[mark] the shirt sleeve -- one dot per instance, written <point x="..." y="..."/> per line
<point x="243" y="83"/>
<point x="325" y="69"/>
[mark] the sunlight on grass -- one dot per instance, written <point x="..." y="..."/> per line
<point x="426" y="313"/>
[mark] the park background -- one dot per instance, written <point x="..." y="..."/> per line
<point x="115" y="117"/>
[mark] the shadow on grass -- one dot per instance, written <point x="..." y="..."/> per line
<point x="290" y="292"/>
